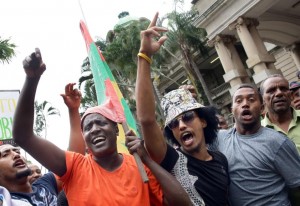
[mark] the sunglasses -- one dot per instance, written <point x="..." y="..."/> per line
<point x="186" y="118"/>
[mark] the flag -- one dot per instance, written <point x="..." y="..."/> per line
<point x="107" y="88"/>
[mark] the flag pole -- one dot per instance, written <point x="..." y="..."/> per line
<point x="137" y="158"/>
<point x="89" y="41"/>
<point x="82" y="13"/>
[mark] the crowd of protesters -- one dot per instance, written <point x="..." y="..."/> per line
<point x="196" y="159"/>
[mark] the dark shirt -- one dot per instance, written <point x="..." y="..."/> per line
<point x="62" y="199"/>
<point x="209" y="178"/>
<point x="44" y="192"/>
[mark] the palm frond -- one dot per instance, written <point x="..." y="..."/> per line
<point x="6" y="50"/>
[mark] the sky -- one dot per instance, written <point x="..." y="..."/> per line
<point x="53" y="26"/>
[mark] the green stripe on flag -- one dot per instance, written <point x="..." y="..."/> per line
<point x="101" y="72"/>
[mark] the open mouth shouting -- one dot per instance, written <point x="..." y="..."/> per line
<point x="19" y="164"/>
<point x="98" y="140"/>
<point x="187" y="138"/>
<point x="246" y="115"/>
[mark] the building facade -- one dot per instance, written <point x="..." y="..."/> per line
<point x="250" y="40"/>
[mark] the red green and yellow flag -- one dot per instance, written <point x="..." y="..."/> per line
<point x="107" y="88"/>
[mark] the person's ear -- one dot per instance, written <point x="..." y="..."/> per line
<point x="203" y="122"/>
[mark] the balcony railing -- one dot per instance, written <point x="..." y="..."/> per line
<point x="220" y="90"/>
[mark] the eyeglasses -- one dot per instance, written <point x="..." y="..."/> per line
<point x="186" y="118"/>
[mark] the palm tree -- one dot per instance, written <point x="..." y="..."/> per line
<point x="42" y="111"/>
<point x="89" y="98"/>
<point x="122" y="44"/>
<point x="184" y="37"/>
<point x="119" y="50"/>
<point x="6" y="50"/>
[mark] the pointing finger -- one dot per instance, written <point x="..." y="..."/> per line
<point x="38" y="53"/>
<point x="153" y="22"/>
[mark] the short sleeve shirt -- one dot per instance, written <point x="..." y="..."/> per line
<point x="86" y="183"/>
<point x="44" y="192"/>
<point x="261" y="166"/>
<point x="206" y="182"/>
<point x="294" y="127"/>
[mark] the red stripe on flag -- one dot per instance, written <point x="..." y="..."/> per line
<point x="88" y="39"/>
<point x="112" y="95"/>
<point x="86" y="35"/>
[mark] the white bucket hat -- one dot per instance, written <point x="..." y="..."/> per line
<point x="177" y="102"/>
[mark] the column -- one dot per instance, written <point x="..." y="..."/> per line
<point x="258" y="57"/>
<point x="235" y="72"/>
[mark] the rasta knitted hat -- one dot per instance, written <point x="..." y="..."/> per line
<point x="177" y="102"/>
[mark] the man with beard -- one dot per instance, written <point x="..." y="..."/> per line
<point x="280" y="115"/>
<point x="14" y="177"/>
<point x="104" y="176"/>
<point x="262" y="162"/>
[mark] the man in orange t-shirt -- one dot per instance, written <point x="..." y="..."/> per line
<point x="104" y="177"/>
<point x="85" y="183"/>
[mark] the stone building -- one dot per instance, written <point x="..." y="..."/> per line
<point x="250" y="40"/>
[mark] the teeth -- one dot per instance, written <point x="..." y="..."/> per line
<point x="98" y="139"/>
<point x="185" y="133"/>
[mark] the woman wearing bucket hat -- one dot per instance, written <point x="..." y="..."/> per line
<point x="202" y="173"/>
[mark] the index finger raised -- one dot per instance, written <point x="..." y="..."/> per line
<point x="153" y="22"/>
<point x="38" y="53"/>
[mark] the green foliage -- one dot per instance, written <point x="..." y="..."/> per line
<point x="183" y="32"/>
<point x="187" y="39"/>
<point x="101" y="45"/>
<point x="122" y="45"/>
<point x="183" y="35"/>
<point x="121" y="51"/>
<point x="6" y="50"/>
<point x="90" y="97"/>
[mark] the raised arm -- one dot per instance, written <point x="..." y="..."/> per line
<point x="153" y="136"/>
<point x="42" y="150"/>
<point x="173" y="192"/>
<point x="72" y="99"/>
